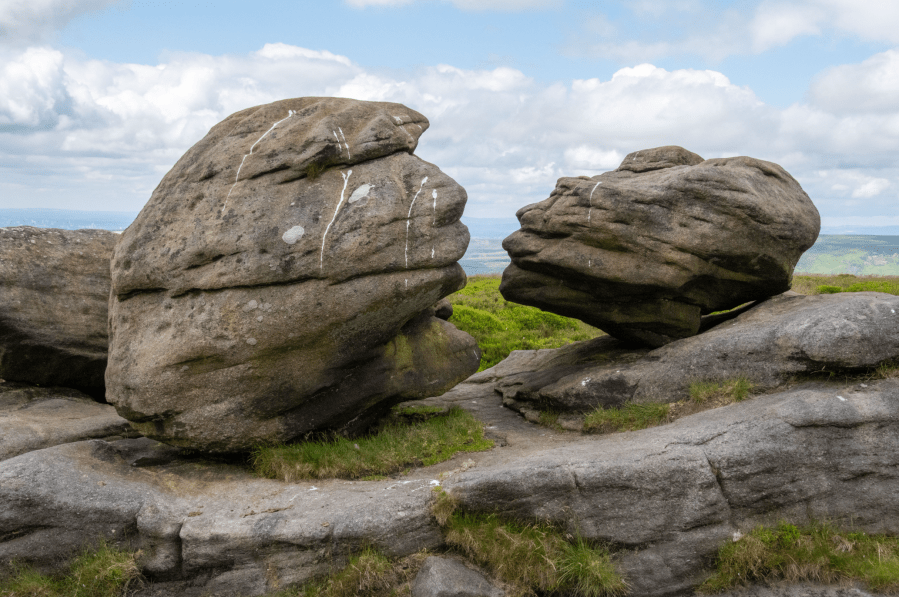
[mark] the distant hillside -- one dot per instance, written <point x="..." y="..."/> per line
<point x="495" y="228"/>
<point x="862" y="255"/>
<point x="67" y="219"/>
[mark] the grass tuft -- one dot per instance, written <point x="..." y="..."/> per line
<point x="629" y="417"/>
<point x="395" y="447"/>
<point x="533" y="558"/>
<point x="444" y="506"/>
<point x="722" y="393"/>
<point x="500" y="326"/>
<point x="815" y="553"/>
<point x="633" y="417"/>
<point x="827" y="289"/>
<point x="367" y="574"/>
<point x="104" y="571"/>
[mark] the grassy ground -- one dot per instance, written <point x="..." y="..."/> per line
<point x="531" y="558"/>
<point x="367" y="574"/>
<point x="101" y="572"/>
<point x="818" y="553"/>
<point x="824" y="284"/>
<point x="394" y="447"/>
<point x="501" y="327"/>
<point x="704" y="395"/>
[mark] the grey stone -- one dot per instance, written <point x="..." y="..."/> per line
<point x="770" y="344"/>
<point x="54" y="294"/>
<point x="666" y="498"/>
<point x="445" y="577"/>
<point x="32" y="418"/>
<point x="672" y="495"/>
<point x="201" y="524"/>
<point x="282" y="279"/>
<point x="644" y="251"/>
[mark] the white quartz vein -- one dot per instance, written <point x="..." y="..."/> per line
<point x="346" y="179"/>
<point x="409" y="216"/>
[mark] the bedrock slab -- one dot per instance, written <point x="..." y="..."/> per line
<point x="54" y="295"/>
<point x="665" y="498"/>
<point x="282" y="279"/>
<point x="769" y="344"/>
<point x="32" y="418"/>
<point x="214" y="524"/>
<point x="668" y="497"/>
<point x="644" y="251"/>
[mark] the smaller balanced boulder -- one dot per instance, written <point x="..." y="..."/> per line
<point x="645" y="251"/>
<point x="54" y="294"/>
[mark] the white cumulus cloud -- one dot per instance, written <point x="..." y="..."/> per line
<point x="470" y="5"/>
<point x="93" y="134"/>
<point x="30" y="20"/>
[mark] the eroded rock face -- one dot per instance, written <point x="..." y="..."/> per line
<point x="644" y="251"/>
<point x="54" y="294"/>
<point x="32" y="418"/>
<point x="768" y="344"/>
<point x="666" y="498"/>
<point x="445" y="577"/>
<point x="283" y="276"/>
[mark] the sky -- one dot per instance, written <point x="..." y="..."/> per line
<point x="99" y="98"/>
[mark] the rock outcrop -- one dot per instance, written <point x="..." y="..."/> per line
<point x="282" y="279"/>
<point x="769" y="345"/>
<point x="670" y="496"/>
<point x="445" y="577"/>
<point x="665" y="498"/>
<point x="644" y="251"/>
<point x="32" y="418"/>
<point x="54" y="295"/>
<point x="215" y="525"/>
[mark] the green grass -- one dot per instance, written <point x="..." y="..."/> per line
<point x="633" y="417"/>
<point x="729" y="391"/>
<point x="827" y="284"/>
<point x="101" y="572"/>
<point x="815" y="553"/>
<point x="629" y="417"/>
<point x="393" y="448"/>
<point x="368" y="573"/>
<point x="500" y="326"/>
<point x="533" y="558"/>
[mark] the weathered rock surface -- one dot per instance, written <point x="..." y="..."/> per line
<point x="666" y="497"/>
<point x="54" y="295"/>
<point x="283" y="278"/>
<point x="32" y="418"/>
<point x="644" y="251"/>
<point x="769" y="344"/>
<point x="214" y="524"/>
<point x="445" y="577"/>
<point x="671" y="495"/>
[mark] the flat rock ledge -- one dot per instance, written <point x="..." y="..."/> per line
<point x="665" y="498"/>
<point x="33" y="417"/>
<point x="769" y="344"/>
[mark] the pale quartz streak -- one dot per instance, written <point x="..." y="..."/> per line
<point x="409" y="218"/>
<point x="346" y="179"/>
<point x="290" y="114"/>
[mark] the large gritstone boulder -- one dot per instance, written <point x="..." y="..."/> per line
<point x="643" y="252"/>
<point x="282" y="279"/>
<point x="54" y="292"/>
